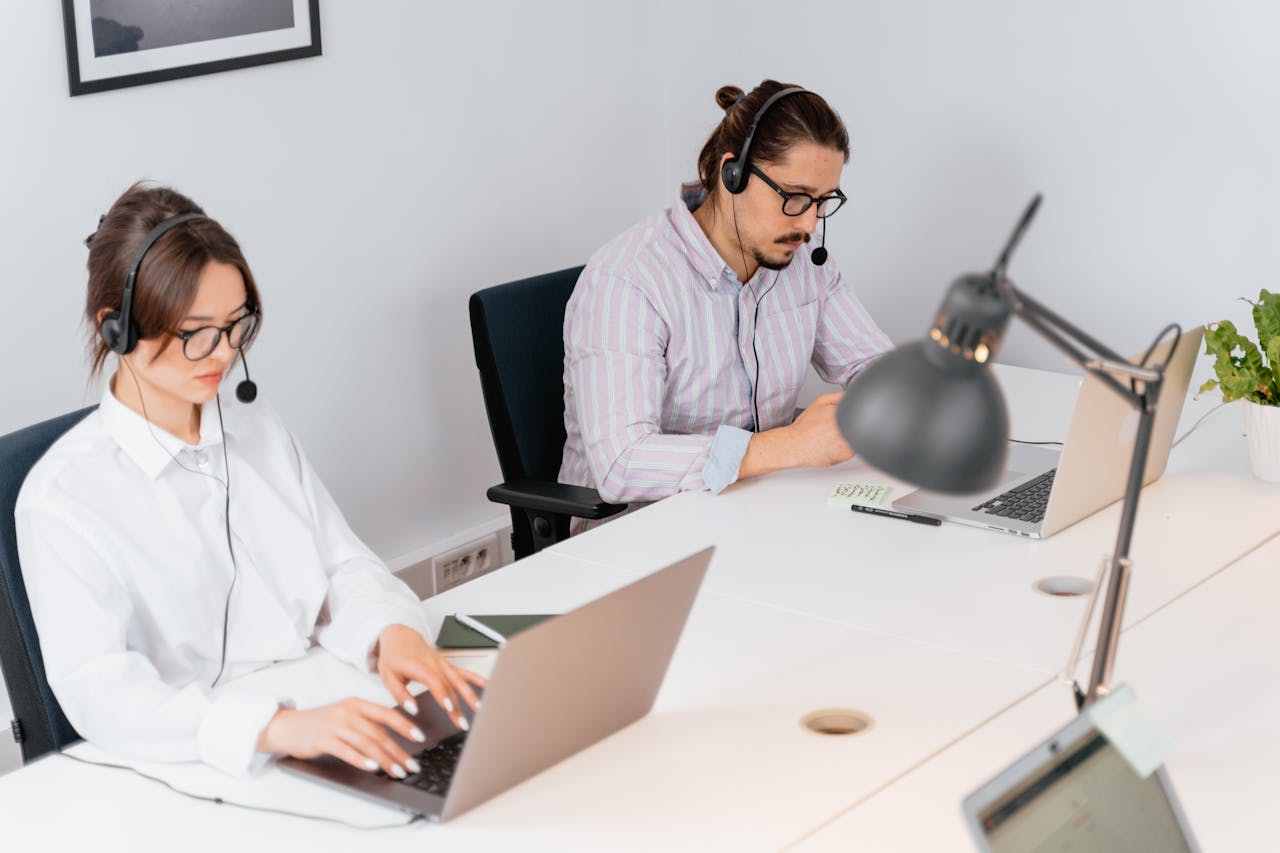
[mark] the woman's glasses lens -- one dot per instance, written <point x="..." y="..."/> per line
<point x="202" y="342"/>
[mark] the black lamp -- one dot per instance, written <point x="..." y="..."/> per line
<point x="931" y="413"/>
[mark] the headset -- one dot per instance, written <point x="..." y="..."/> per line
<point x="118" y="329"/>
<point x="735" y="172"/>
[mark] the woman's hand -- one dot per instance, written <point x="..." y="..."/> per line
<point x="404" y="656"/>
<point x="353" y="730"/>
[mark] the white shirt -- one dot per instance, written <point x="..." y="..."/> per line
<point x="123" y="545"/>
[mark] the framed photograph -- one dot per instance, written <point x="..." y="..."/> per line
<point x="116" y="43"/>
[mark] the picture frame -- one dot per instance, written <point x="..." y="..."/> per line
<point x="112" y="44"/>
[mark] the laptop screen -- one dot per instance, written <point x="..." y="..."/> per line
<point x="1086" y="798"/>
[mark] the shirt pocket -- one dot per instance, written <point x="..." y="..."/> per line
<point x="784" y="344"/>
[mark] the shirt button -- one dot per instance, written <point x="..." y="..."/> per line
<point x="202" y="458"/>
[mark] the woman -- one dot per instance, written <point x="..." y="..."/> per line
<point x="176" y="539"/>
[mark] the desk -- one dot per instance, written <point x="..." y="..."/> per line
<point x="1205" y="669"/>
<point x="934" y="632"/>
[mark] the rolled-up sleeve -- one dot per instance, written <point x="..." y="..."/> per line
<point x="111" y="695"/>
<point x="615" y="362"/>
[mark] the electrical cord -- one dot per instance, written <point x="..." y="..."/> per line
<point x="220" y="801"/>
<point x="755" y="322"/>
<point x="226" y="515"/>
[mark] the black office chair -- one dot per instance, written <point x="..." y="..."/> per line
<point x="38" y="725"/>
<point x="518" y="333"/>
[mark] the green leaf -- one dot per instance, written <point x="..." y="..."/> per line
<point x="1240" y="376"/>
<point x="1266" y="318"/>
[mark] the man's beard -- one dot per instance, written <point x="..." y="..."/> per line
<point x="778" y="265"/>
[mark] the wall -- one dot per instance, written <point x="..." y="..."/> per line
<point x="1149" y="126"/>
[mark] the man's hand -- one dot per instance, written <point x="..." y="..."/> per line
<point x="813" y="440"/>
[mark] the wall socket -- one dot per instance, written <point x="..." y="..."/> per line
<point x="464" y="563"/>
<point x="459" y="564"/>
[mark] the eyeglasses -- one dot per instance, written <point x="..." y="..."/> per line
<point x="794" y="204"/>
<point x="200" y="343"/>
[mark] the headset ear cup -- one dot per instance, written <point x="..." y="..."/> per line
<point x="731" y="175"/>
<point x="118" y="338"/>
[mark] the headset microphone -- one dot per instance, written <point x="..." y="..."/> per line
<point x="247" y="390"/>
<point x="819" y="255"/>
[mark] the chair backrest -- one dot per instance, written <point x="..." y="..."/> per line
<point x="518" y="333"/>
<point x="43" y="726"/>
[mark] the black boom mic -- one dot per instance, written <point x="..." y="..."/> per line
<point x="247" y="390"/>
<point x="819" y="255"/>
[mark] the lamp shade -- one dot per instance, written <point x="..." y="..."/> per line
<point x="921" y="420"/>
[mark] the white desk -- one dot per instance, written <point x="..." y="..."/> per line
<point x="932" y="631"/>
<point x="722" y="763"/>
<point x="1204" y="668"/>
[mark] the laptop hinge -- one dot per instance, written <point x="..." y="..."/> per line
<point x="15" y="725"/>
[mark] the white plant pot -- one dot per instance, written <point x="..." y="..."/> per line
<point x="1262" y="427"/>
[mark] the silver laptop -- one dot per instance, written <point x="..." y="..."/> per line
<point x="1075" y="793"/>
<point x="556" y="688"/>
<point x="1045" y="490"/>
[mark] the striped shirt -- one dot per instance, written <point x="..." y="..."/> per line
<point x="663" y="348"/>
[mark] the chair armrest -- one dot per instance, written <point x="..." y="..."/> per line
<point x="546" y="496"/>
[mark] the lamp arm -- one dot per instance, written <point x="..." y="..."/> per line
<point x="1099" y="360"/>
<point x="1102" y="363"/>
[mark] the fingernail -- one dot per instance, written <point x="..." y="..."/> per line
<point x="370" y="765"/>
<point x="398" y="771"/>
<point x="416" y="734"/>
<point x="411" y="706"/>
<point x="463" y="724"/>
<point x="447" y="704"/>
<point x="414" y="766"/>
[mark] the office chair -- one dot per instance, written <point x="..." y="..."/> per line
<point x="518" y="333"/>
<point x="38" y="725"/>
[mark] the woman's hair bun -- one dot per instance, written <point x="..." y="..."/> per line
<point x="727" y="96"/>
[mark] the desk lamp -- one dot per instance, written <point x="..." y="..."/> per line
<point x="930" y="412"/>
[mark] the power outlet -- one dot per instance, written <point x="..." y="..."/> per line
<point x="465" y="562"/>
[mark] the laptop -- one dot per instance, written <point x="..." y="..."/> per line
<point x="1045" y="490"/>
<point x="556" y="689"/>
<point x="1075" y="792"/>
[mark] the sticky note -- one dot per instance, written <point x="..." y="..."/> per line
<point x="1134" y="735"/>
<point x="864" y="494"/>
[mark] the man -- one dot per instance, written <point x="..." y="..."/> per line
<point x="687" y="337"/>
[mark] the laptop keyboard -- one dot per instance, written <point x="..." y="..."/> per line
<point x="1026" y="502"/>
<point x="438" y="765"/>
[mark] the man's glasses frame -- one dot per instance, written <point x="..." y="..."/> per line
<point x="795" y="204"/>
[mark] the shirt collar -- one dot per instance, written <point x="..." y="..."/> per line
<point x="697" y="246"/>
<point x="149" y="446"/>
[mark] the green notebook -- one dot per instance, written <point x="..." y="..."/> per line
<point x="455" y="635"/>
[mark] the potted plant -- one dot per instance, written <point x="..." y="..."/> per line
<point x="1248" y="371"/>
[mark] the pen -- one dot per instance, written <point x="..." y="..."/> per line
<point x="480" y="628"/>
<point x="893" y="513"/>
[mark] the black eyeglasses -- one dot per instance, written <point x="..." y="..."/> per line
<point x="794" y="204"/>
<point x="200" y="343"/>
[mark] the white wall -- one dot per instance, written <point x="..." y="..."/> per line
<point x="433" y="150"/>
<point x="1150" y="126"/>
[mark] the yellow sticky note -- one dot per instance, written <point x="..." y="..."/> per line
<point x="1134" y="735"/>
<point x="863" y="494"/>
